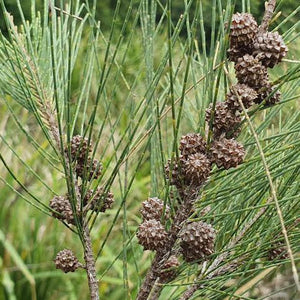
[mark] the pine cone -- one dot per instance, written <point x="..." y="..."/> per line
<point x="246" y="94"/>
<point x="98" y="200"/>
<point x="196" y="169"/>
<point x="278" y="252"/>
<point x="92" y="169"/>
<point x="227" y="153"/>
<point x="243" y="30"/>
<point x="66" y="261"/>
<point x="270" y="48"/>
<point x="225" y="120"/>
<point x="80" y="148"/>
<point x="152" y="235"/>
<point x="192" y="143"/>
<point x="234" y="54"/>
<point x="197" y="241"/>
<point x="251" y="72"/>
<point x="63" y="209"/>
<point x="154" y="208"/>
<point x="265" y="95"/>
<point x="174" y="172"/>
<point x="168" y="273"/>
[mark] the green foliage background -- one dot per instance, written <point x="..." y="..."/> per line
<point x="106" y="10"/>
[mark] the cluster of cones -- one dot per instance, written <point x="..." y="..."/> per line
<point x="97" y="199"/>
<point x="252" y="51"/>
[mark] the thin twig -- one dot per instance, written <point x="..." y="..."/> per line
<point x="90" y="264"/>
<point x="269" y="10"/>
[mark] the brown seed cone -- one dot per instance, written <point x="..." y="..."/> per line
<point x="154" y="208"/>
<point x="270" y="48"/>
<point x="66" y="261"/>
<point x="246" y="94"/>
<point x="251" y="72"/>
<point x="98" y="200"/>
<point x="196" y="169"/>
<point x="152" y="235"/>
<point x="278" y="252"/>
<point x="174" y="172"/>
<point x="265" y="95"/>
<point x="92" y="169"/>
<point x="80" y="148"/>
<point x="227" y="153"/>
<point x="243" y="30"/>
<point x="234" y="53"/>
<point x="192" y="143"/>
<point x="168" y="273"/>
<point x="197" y="241"/>
<point x="63" y="209"/>
<point x="225" y="120"/>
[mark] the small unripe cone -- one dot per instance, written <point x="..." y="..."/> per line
<point x="243" y="30"/>
<point x="91" y="169"/>
<point x="270" y="48"/>
<point x="63" y="209"/>
<point x="168" y="273"/>
<point x="246" y="94"/>
<point x="278" y="252"/>
<point x="196" y="169"/>
<point x="197" y="241"/>
<point x="66" y="261"/>
<point x="227" y="153"/>
<point x="154" y="208"/>
<point x="251" y="72"/>
<point x="225" y="120"/>
<point x="98" y="200"/>
<point x="152" y="235"/>
<point x="192" y="143"/>
<point x="80" y="148"/>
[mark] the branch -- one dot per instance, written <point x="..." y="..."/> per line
<point x="162" y="256"/>
<point x="269" y="10"/>
<point x="90" y="264"/>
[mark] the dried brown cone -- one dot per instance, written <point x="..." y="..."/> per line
<point x="234" y="54"/>
<point x="174" y="172"/>
<point x="197" y="241"/>
<point x="227" y="153"/>
<point x="270" y="48"/>
<point x="63" y="210"/>
<point x="278" y="252"/>
<point x="243" y="30"/>
<point x="169" y="271"/>
<point x="267" y="93"/>
<point x="99" y="200"/>
<point x="251" y="72"/>
<point x="80" y="148"/>
<point x="152" y="235"/>
<point x="192" y="143"/>
<point x="66" y="261"/>
<point x="225" y="120"/>
<point x="154" y="208"/>
<point x="246" y="94"/>
<point x="91" y="169"/>
<point x="196" y="169"/>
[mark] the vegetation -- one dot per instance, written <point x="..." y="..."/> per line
<point x="133" y="84"/>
